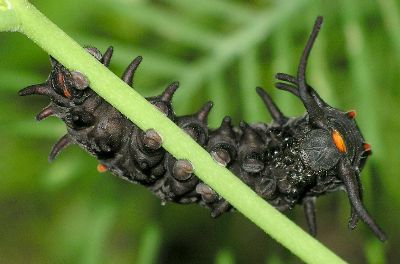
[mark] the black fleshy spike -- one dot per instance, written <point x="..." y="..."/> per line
<point x="46" y="90"/>
<point x="293" y="87"/>
<point x="39" y="89"/>
<point x="94" y="52"/>
<point x="286" y="77"/>
<point x="354" y="218"/>
<point x="204" y="111"/>
<point x="60" y="145"/>
<point x="315" y="112"/>
<point x="107" y="56"/>
<point x="130" y="70"/>
<point x="225" y="130"/>
<point x="276" y="114"/>
<point x="169" y="92"/>
<point x="46" y="112"/>
<point x="349" y="178"/>
<point x="287" y="87"/>
<point x="309" y="211"/>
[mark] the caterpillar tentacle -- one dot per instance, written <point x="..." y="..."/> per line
<point x="62" y="143"/>
<point x="288" y="162"/>
<point x="127" y="76"/>
<point x="106" y="58"/>
<point x="46" y="112"/>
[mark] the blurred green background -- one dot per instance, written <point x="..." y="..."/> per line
<point x="66" y="212"/>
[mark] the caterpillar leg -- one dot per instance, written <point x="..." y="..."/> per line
<point x="309" y="211"/>
<point x="222" y="207"/>
<point x="208" y="195"/>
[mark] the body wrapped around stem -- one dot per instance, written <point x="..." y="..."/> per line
<point x="287" y="162"/>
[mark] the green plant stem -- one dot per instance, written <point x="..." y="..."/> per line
<point x="9" y="21"/>
<point x="54" y="41"/>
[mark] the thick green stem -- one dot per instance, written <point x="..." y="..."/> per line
<point x="54" y="41"/>
<point x="8" y="18"/>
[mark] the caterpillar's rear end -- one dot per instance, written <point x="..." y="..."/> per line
<point x="290" y="161"/>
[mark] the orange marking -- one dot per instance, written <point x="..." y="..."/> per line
<point x="351" y="114"/>
<point x="338" y="141"/>
<point x="60" y="79"/>
<point x="366" y="147"/>
<point x="61" y="82"/>
<point x="101" y="168"/>
<point x="66" y="92"/>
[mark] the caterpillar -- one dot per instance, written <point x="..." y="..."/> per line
<point x="287" y="162"/>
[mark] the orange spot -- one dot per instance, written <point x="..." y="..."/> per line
<point x="101" y="168"/>
<point x="366" y="147"/>
<point x="66" y="92"/>
<point x="351" y="114"/>
<point x="338" y="141"/>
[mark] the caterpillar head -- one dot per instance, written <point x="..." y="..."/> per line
<point x="64" y="87"/>
<point x="333" y="142"/>
<point x="67" y="91"/>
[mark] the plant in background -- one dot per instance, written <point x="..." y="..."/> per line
<point x="82" y="119"/>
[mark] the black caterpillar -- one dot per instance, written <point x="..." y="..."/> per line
<point x="290" y="161"/>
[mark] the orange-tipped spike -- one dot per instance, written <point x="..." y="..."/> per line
<point x="338" y="141"/>
<point x="101" y="168"/>
<point x="366" y="147"/>
<point x="351" y="114"/>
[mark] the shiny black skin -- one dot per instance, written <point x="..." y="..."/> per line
<point x="287" y="162"/>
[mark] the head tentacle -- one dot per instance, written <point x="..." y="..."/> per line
<point x="315" y="112"/>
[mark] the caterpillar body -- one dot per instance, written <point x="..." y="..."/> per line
<point x="288" y="162"/>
